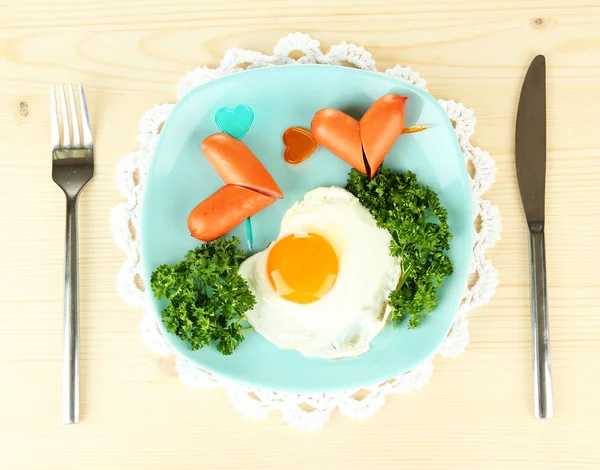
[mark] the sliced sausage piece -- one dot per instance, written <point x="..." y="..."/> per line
<point x="340" y="134"/>
<point x="223" y="210"/>
<point x="236" y="164"/>
<point x="380" y="127"/>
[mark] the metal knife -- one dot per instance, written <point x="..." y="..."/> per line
<point x="530" y="158"/>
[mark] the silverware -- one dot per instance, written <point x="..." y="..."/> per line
<point x="72" y="168"/>
<point x="530" y="157"/>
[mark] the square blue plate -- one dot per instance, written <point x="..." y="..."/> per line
<point x="281" y="97"/>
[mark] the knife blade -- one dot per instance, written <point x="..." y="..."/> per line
<point x="530" y="159"/>
<point x="530" y="141"/>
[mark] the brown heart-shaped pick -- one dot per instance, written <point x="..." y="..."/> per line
<point x="299" y="145"/>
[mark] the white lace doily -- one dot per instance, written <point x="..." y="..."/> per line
<point x="304" y="412"/>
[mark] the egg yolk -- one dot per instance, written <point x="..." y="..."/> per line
<point x="302" y="267"/>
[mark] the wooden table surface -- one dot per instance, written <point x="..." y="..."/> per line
<point x="476" y="413"/>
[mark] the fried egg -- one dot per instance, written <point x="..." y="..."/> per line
<point x="321" y="288"/>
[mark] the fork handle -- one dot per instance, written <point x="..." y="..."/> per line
<point x="70" y="376"/>
<point x="542" y="372"/>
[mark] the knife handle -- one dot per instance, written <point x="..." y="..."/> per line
<point x="542" y="371"/>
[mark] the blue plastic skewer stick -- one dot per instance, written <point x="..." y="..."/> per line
<point x="249" y="237"/>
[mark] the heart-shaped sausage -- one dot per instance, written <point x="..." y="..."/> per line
<point x="340" y="134"/>
<point x="249" y="188"/>
<point x="235" y="122"/>
<point x="372" y="137"/>
<point x="299" y="145"/>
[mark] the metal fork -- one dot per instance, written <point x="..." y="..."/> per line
<point x="72" y="168"/>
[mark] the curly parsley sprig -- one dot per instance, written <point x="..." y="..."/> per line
<point x="207" y="297"/>
<point x="420" y="234"/>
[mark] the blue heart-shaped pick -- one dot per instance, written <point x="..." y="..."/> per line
<point x="235" y="122"/>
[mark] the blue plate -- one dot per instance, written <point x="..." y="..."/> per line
<point x="281" y="97"/>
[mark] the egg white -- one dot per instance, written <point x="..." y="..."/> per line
<point x="345" y="320"/>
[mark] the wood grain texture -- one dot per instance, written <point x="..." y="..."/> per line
<point x="477" y="411"/>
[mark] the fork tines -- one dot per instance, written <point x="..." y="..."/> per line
<point x="67" y="143"/>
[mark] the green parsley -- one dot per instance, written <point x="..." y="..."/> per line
<point x="420" y="234"/>
<point x="207" y="297"/>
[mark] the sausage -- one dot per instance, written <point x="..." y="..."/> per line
<point x="340" y="134"/>
<point x="380" y="127"/>
<point x="236" y="164"/>
<point x="223" y="210"/>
